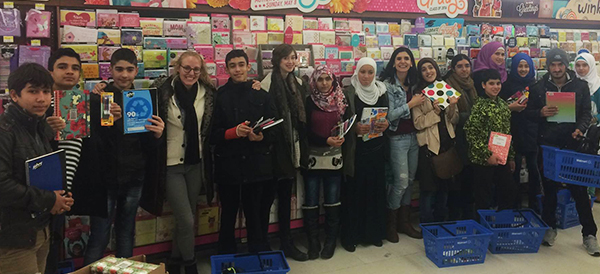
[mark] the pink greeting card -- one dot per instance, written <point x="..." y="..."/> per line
<point x="174" y="28"/>
<point x="129" y="20"/>
<point x="221" y="51"/>
<point x="207" y="51"/>
<point x="107" y="18"/>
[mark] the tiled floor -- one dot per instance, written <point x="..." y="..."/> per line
<point x="408" y="256"/>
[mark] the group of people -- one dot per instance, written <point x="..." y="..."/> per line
<point x="202" y="137"/>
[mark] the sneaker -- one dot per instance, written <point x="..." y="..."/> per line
<point x="591" y="245"/>
<point x="550" y="237"/>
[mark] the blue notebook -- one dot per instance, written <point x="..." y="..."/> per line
<point x="47" y="171"/>
<point x="139" y="105"/>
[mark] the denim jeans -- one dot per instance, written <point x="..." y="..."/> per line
<point x="404" y="156"/>
<point x="331" y="187"/>
<point x="123" y="202"/>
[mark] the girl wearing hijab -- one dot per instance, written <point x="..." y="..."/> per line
<point x="491" y="56"/>
<point x="325" y="109"/>
<point x="460" y="196"/>
<point x="585" y="66"/>
<point x="364" y="163"/>
<point x="435" y="135"/>
<point x="399" y="76"/>
<point x="524" y="131"/>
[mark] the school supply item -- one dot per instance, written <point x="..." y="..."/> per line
<point x="370" y="116"/>
<point x="440" y="91"/>
<point x="565" y="101"/>
<point x="106" y="118"/>
<point x="46" y="172"/>
<point x="520" y="96"/>
<point x="343" y="127"/>
<point x="138" y="108"/>
<point x="73" y="107"/>
<point x="500" y="144"/>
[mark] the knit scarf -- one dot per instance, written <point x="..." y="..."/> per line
<point x="466" y="87"/>
<point x="288" y="102"/>
<point x="186" y="99"/>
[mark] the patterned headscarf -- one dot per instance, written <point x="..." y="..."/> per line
<point x="332" y="101"/>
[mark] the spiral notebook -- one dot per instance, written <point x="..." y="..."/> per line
<point x="47" y="172"/>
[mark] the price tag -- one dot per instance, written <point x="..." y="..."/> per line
<point x="36" y="42"/>
<point x="7" y="91"/>
<point x="9" y="5"/>
<point x="40" y="6"/>
<point x="9" y="39"/>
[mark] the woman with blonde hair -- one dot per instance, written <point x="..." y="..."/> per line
<point x="185" y="103"/>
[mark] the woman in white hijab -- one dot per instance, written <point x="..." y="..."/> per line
<point x="364" y="195"/>
<point x="585" y="67"/>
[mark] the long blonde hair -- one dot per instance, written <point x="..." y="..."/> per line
<point x="203" y="77"/>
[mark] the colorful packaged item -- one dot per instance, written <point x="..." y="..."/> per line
<point x="174" y="28"/>
<point x="38" y="23"/>
<point x="335" y="65"/>
<point x="72" y="34"/>
<point x="346" y="52"/>
<point x="347" y="67"/>
<point x="532" y="31"/>
<point x="198" y="33"/>
<point x="10" y="25"/>
<point x="155" y="43"/>
<point x="109" y="36"/>
<point x="131" y="37"/>
<point x="544" y="31"/>
<point x="520" y="31"/>
<point x="106" y="52"/>
<point x="486" y="29"/>
<point x="141" y="71"/>
<point x="90" y="70"/>
<point x="106" y="118"/>
<point x="73" y="107"/>
<point x="107" y="18"/>
<point x="500" y="144"/>
<point x="475" y="41"/>
<point x="152" y="26"/>
<point x="220" y="22"/>
<point x="32" y="54"/>
<point x="394" y="28"/>
<point x="155" y="58"/>
<point x="258" y="23"/>
<point x="137" y="50"/>
<point x="77" y="18"/>
<point x="129" y="20"/>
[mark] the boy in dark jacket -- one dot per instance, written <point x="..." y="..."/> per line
<point x="243" y="161"/>
<point x="490" y="113"/>
<point x="25" y="211"/>
<point x="561" y="79"/>
<point x="122" y="159"/>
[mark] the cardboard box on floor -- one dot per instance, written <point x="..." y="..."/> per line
<point x="140" y="258"/>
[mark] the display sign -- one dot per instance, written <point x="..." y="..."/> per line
<point x="487" y="8"/>
<point x="521" y="9"/>
<point x="579" y="10"/>
<point x="451" y="8"/>
<point x="444" y="26"/>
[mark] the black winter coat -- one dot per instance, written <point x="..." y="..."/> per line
<point x="523" y="129"/>
<point x="241" y="161"/>
<point x="22" y="137"/>
<point x="559" y="134"/>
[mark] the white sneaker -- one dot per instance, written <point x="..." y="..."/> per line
<point x="591" y="245"/>
<point x="550" y="237"/>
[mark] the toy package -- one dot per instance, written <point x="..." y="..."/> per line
<point x="107" y="119"/>
<point x="72" y="34"/>
<point x="10" y="25"/>
<point x="131" y="37"/>
<point x="33" y="54"/>
<point x="174" y="28"/>
<point x="38" y="23"/>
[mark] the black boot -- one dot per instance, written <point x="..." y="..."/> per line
<point x="332" y="226"/>
<point x="191" y="269"/>
<point x="290" y="250"/>
<point x="174" y="266"/>
<point x="311" y="223"/>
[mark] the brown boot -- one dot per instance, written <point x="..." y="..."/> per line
<point x="392" y="235"/>
<point x="404" y="225"/>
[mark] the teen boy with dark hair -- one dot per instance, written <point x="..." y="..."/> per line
<point x="122" y="160"/>
<point x="65" y="67"/>
<point x="561" y="79"/>
<point x="25" y="211"/>
<point x="243" y="161"/>
<point x="490" y="113"/>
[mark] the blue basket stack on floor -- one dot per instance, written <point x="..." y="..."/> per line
<point x="514" y="231"/>
<point x="566" y="211"/>
<point x="455" y="243"/>
<point x="272" y="262"/>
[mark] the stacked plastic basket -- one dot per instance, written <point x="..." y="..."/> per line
<point x="272" y="262"/>
<point x="566" y="211"/>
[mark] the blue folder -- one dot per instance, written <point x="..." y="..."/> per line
<point x="47" y="172"/>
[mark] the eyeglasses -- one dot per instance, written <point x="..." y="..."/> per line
<point x="187" y="69"/>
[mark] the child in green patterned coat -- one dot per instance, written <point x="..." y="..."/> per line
<point x="490" y="113"/>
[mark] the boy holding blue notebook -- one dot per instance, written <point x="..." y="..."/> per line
<point x="119" y="160"/>
<point x="25" y="210"/>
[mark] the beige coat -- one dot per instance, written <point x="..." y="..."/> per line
<point x="426" y="122"/>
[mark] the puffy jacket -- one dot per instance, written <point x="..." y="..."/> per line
<point x="24" y="210"/>
<point x="558" y="134"/>
<point x="240" y="161"/>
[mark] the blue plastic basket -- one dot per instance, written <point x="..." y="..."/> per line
<point x="566" y="211"/>
<point x="272" y="262"/>
<point x="455" y="243"/>
<point x="571" y="167"/>
<point x="515" y="231"/>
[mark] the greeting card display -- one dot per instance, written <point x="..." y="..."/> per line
<point x="104" y="70"/>
<point x="275" y="37"/>
<point x="108" y="18"/>
<point x="221" y="37"/>
<point x="174" y="28"/>
<point x="132" y="37"/>
<point x="440" y="91"/>
<point x="206" y="51"/>
<point x="78" y="18"/>
<point x="109" y="36"/>
<point x="155" y="58"/>
<point x="221" y="51"/>
<point x="152" y="26"/>
<point x="500" y="144"/>
<point x="258" y="23"/>
<point x="296" y="22"/>
<point x="198" y="33"/>
<point x="129" y="20"/>
<point x="220" y="21"/>
<point x="241" y="23"/>
<point x="38" y="23"/>
<point x="72" y="34"/>
<point x="155" y="73"/>
<point x="90" y="71"/>
<point x="155" y="43"/>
